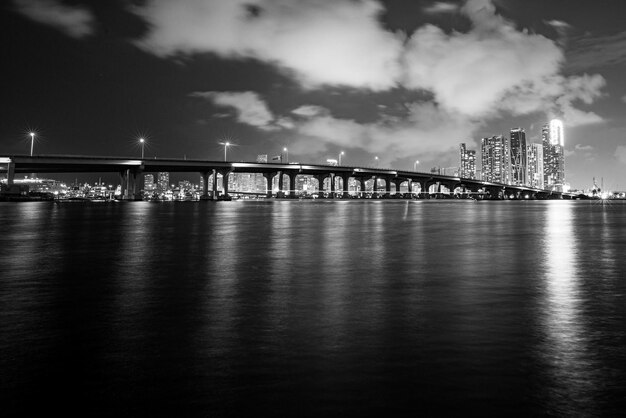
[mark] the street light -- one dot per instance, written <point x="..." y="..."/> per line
<point x="142" y="142"/>
<point x="226" y="145"/>
<point x="286" y="151"/>
<point x="340" y="154"/>
<point x="376" y="161"/>
<point x="32" y="142"/>
<point x="415" y="165"/>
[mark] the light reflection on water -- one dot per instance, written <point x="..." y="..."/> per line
<point x="306" y="308"/>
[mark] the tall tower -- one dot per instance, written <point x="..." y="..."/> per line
<point x="163" y="182"/>
<point x="518" y="157"/>
<point x="535" y="166"/>
<point x="496" y="163"/>
<point x="553" y="155"/>
<point x="467" y="167"/>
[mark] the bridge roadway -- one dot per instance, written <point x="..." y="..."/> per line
<point x="131" y="171"/>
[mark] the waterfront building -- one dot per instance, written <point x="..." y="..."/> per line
<point x="518" y="157"/>
<point x="535" y="166"/>
<point x="468" y="162"/>
<point x="553" y="143"/>
<point x="148" y="183"/>
<point x="163" y="181"/>
<point x="496" y="162"/>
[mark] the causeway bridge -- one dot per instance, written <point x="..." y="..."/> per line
<point x="131" y="171"/>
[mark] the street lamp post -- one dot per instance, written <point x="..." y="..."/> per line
<point x="32" y="142"/>
<point x="286" y="151"/>
<point x="376" y="161"/>
<point x="340" y="154"/>
<point x="415" y="165"/>
<point x="142" y="142"/>
<point x="226" y="145"/>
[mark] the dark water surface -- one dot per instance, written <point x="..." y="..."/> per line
<point x="335" y="308"/>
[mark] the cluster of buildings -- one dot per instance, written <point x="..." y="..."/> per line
<point x="513" y="160"/>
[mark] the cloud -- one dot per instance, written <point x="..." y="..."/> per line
<point x="318" y="42"/>
<point x="588" y="52"/>
<point x="557" y="24"/>
<point x="580" y="147"/>
<point x="309" y="110"/>
<point x="620" y="154"/>
<point x="250" y="109"/>
<point x="441" y="7"/>
<point x="75" y="21"/>
<point x="624" y="99"/>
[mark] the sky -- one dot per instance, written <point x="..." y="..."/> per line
<point x="400" y="80"/>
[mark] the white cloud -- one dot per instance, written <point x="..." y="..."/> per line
<point x="249" y="107"/>
<point x="580" y="147"/>
<point x="75" y="21"/>
<point x="558" y="24"/>
<point x="624" y="99"/>
<point x="441" y="7"/>
<point x="620" y="154"/>
<point x="319" y="42"/>
<point x="309" y="110"/>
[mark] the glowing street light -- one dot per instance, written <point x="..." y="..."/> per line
<point x="376" y="161"/>
<point x="226" y="145"/>
<point x="415" y="165"/>
<point x="339" y="159"/>
<point x="32" y="142"/>
<point x="286" y="151"/>
<point x="142" y="142"/>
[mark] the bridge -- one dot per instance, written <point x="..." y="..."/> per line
<point x="132" y="170"/>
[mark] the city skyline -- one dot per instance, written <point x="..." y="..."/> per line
<point x="385" y="82"/>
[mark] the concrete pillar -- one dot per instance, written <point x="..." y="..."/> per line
<point x="409" y="187"/>
<point x="320" y="179"/>
<point x="374" y="186"/>
<point x="362" y="183"/>
<point x="332" y="185"/>
<point x="387" y="187"/>
<point x="205" y="185"/>
<point x="397" y="182"/>
<point x="225" y="177"/>
<point x="215" y="192"/>
<point x="345" y="178"/>
<point x="292" y="185"/>
<point x="123" y="184"/>
<point x="281" y="185"/>
<point x="268" y="183"/>
<point x="10" y="173"/>
<point x="137" y="184"/>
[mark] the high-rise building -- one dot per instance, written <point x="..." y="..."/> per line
<point x="468" y="163"/>
<point x="163" y="182"/>
<point x="535" y="166"/>
<point x="496" y="162"/>
<point x="518" y="157"/>
<point x="553" y="155"/>
<point x="148" y="182"/>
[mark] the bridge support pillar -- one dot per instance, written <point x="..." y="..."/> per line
<point x="362" y="186"/>
<point x="387" y="194"/>
<point x="214" y="186"/>
<point x="225" y="178"/>
<point x="374" y="187"/>
<point x="123" y="184"/>
<point x="205" y="185"/>
<point x="292" y="185"/>
<point x="345" y="179"/>
<point x="137" y="184"/>
<point x="320" y="185"/>
<point x="397" y="182"/>
<point x="10" y="173"/>
<point x="268" y="183"/>
<point x="332" y="185"/>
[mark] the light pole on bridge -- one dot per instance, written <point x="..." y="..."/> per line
<point x="339" y="159"/>
<point x="142" y="142"/>
<point x="226" y="145"/>
<point x="415" y="165"/>
<point x="32" y="142"/>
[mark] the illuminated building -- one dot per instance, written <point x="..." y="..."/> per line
<point x="148" y="181"/>
<point x="163" y="182"/>
<point x="553" y="155"/>
<point x="496" y="163"/>
<point x="468" y="163"/>
<point x="535" y="166"/>
<point x="518" y="157"/>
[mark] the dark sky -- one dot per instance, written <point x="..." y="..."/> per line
<point x="401" y="80"/>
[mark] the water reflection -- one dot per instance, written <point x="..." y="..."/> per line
<point x="571" y="387"/>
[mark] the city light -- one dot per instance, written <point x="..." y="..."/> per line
<point x="415" y="165"/>
<point x="226" y="145"/>
<point x="286" y="151"/>
<point x="142" y="142"/>
<point x="32" y="142"/>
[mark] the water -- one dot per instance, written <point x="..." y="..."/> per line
<point x="290" y="308"/>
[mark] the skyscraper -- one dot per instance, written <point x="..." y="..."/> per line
<point x="496" y="163"/>
<point x="148" y="181"/>
<point x="535" y="166"/>
<point x="163" y="183"/>
<point x="468" y="163"/>
<point x="553" y="155"/>
<point x="518" y="157"/>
